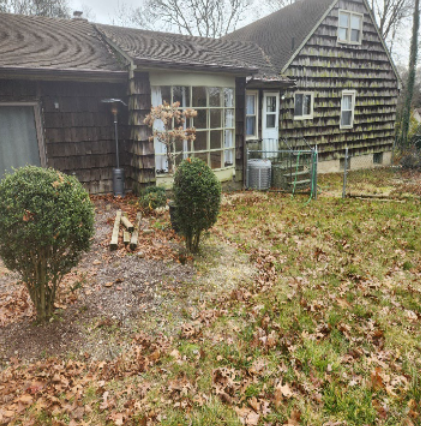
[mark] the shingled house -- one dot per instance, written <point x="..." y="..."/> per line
<point x="346" y="83"/>
<point x="306" y="71"/>
<point x="54" y="74"/>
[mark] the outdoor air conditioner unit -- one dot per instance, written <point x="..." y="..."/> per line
<point x="258" y="174"/>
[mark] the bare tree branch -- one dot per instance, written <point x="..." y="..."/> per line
<point x="52" y="8"/>
<point x="206" y="18"/>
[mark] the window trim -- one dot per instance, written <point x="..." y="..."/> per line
<point x="208" y="151"/>
<point x="38" y="126"/>
<point x="352" y="93"/>
<point x="307" y="116"/>
<point x="350" y="13"/>
<point x="256" y="109"/>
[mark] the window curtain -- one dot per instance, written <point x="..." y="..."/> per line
<point x="229" y="143"/>
<point x="161" y="162"/>
<point x="184" y="105"/>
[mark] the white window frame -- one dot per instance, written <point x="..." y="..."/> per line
<point x="353" y="94"/>
<point x="306" y="116"/>
<point x="191" y="151"/>
<point x="256" y="114"/>
<point x="350" y="14"/>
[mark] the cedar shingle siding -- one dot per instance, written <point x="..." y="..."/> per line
<point x="327" y="68"/>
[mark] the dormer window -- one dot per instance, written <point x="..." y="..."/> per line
<point x="350" y="27"/>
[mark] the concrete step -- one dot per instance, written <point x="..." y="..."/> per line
<point x="301" y="182"/>
<point x="293" y="174"/>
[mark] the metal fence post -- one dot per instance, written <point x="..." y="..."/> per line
<point x="315" y="165"/>
<point x="345" y="173"/>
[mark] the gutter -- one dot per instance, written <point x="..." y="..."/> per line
<point x="63" y="74"/>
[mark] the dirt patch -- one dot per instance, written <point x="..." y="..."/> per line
<point x="111" y="289"/>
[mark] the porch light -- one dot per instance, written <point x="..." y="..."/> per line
<point x="118" y="173"/>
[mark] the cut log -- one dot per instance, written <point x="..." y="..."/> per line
<point x="126" y="238"/>
<point x="116" y="231"/>
<point x="135" y="235"/>
<point x="126" y="222"/>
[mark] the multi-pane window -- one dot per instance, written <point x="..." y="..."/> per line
<point x="251" y="114"/>
<point x="303" y="106"/>
<point x="347" y="109"/>
<point x="215" y="124"/>
<point x="350" y="27"/>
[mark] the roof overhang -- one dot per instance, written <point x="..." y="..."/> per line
<point x="162" y="64"/>
<point x="63" y="74"/>
<point x="270" y="83"/>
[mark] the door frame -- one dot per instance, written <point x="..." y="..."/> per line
<point x="278" y="107"/>
<point x="38" y="126"/>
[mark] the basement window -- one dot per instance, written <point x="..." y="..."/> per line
<point x="303" y="105"/>
<point x="347" y="109"/>
<point x="378" y="158"/>
<point x="350" y="27"/>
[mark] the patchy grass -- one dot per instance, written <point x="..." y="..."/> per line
<point x="300" y="314"/>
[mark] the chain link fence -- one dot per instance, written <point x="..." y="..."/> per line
<point x="283" y="170"/>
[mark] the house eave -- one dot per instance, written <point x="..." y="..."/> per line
<point x="63" y="74"/>
<point x="268" y="83"/>
<point x="162" y="64"/>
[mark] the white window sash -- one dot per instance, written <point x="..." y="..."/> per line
<point x="254" y="93"/>
<point x="350" y="27"/>
<point x="304" y="116"/>
<point x="352" y="94"/>
<point x="227" y="127"/>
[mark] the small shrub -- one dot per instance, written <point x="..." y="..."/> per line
<point x="46" y="223"/>
<point x="197" y="195"/>
<point x="411" y="160"/>
<point x="153" y="197"/>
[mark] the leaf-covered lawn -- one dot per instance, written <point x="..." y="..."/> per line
<point x="326" y="331"/>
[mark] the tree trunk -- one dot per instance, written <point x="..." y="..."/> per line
<point x="411" y="75"/>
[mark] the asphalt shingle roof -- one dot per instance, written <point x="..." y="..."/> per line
<point x="150" y="47"/>
<point x="282" y="32"/>
<point x="40" y="43"/>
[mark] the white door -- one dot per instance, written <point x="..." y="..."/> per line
<point x="270" y="121"/>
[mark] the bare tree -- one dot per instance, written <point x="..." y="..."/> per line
<point x="52" y="8"/>
<point x="390" y="15"/>
<point x="206" y="18"/>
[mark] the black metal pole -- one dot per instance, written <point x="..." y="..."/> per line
<point x="117" y="156"/>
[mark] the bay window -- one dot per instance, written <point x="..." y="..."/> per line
<point x="214" y="124"/>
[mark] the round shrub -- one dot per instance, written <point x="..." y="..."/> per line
<point x="197" y="195"/>
<point x="46" y="223"/>
<point x="153" y="197"/>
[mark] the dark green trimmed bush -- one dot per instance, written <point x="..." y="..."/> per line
<point x="197" y="195"/>
<point x="46" y="223"/>
<point x="153" y="197"/>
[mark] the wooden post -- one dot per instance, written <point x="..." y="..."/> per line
<point x="135" y="235"/>
<point x="126" y="237"/>
<point x="126" y="222"/>
<point x="116" y="231"/>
